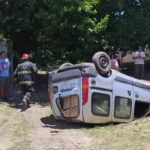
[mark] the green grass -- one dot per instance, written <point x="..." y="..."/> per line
<point x="129" y="136"/>
<point x="13" y="129"/>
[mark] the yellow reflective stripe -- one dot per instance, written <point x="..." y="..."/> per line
<point x="26" y="82"/>
<point x="24" y="72"/>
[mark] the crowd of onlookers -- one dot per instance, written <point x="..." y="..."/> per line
<point x="138" y="56"/>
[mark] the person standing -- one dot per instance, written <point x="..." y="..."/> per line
<point x="139" y="58"/>
<point x="4" y="75"/>
<point x="120" y="59"/>
<point x="25" y="77"/>
<point x="114" y="62"/>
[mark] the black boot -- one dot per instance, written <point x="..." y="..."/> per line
<point x="28" y="104"/>
<point x="24" y="101"/>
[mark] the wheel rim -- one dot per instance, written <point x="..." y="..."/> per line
<point x="103" y="62"/>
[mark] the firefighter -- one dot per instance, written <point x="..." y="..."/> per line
<point x="25" y="77"/>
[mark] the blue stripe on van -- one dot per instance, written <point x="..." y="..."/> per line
<point x="67" y="89"/>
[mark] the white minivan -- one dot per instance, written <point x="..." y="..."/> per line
<point x="94" y="93"/>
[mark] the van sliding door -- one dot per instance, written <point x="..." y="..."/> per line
<point x="122" y="99"/>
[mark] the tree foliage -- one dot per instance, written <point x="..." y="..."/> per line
<point x="129" y="23"/>
<point x="73" y="29"/>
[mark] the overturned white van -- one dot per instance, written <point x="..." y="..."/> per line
<point x="93" y="93"/>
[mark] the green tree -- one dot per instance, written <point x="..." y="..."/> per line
<point x="53" y="29"/>
<point x="129" y="22"/>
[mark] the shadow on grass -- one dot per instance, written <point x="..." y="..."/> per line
<point x="51" y="122"/>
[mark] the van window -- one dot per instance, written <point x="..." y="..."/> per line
<point x="69" y="106"/>
<point x="123" y="107"/>
<point x="100" y="104"/>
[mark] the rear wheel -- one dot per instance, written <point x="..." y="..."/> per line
<point x="65" y="65"/>
<point x="102" y="63"/>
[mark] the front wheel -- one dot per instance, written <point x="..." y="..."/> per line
<point x="102" y="63"/>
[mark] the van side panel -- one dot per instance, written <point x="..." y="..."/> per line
<point x="141" y="94"/>
<point x="122" y="98"/>
<point x="102" y="86"/>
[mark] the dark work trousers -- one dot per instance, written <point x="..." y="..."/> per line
<point x="27" y="92"/>
<point x="139" y="71"/>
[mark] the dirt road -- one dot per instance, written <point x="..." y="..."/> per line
<point x="48" y="134"/>
<point x="36" y="129"/>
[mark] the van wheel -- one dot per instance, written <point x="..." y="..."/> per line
<point x="102" y="63"/>
<point x="65" y="65"/>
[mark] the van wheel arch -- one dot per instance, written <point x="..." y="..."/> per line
<point x="64" y="65"/>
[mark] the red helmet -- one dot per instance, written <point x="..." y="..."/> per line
<point x="25" y="56"/>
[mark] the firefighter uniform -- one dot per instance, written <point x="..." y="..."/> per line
<point x="25" y="77"/>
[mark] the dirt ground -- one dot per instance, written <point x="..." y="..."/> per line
<point x="49" y="134"/>
<point x="36" y="129"/>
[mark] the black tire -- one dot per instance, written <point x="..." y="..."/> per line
<point x="65" y="65"/>
<point x="102" y="63"/>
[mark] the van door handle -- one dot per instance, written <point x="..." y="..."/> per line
<point x="129" y="93"/>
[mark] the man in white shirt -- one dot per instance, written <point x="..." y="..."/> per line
<point x="139" y="58"/>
